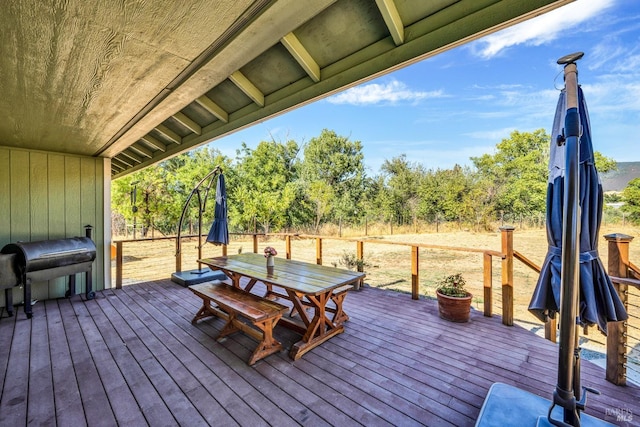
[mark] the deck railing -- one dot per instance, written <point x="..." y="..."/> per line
<point x="506" y="256"/>
<point x="623" y="338"/>
<point x="624" y="274"/>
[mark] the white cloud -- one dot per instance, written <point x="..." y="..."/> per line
<point x="374" y="93"/>
<point x="542" y="29"/>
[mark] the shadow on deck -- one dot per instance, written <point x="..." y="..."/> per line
<point x="131" y="357"/>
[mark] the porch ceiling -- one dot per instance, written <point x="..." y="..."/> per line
<point x="139" y="82"/>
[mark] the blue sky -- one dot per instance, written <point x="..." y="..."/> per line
<point x="461" y="103"/>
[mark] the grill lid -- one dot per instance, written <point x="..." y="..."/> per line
<point x="47" y="254"/>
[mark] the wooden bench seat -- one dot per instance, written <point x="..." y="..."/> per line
<point x="234" y="302"/>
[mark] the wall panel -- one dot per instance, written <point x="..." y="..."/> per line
<point x="39" y="209"/>
<point x="5" y="195"/>
<point x="57" y="214"/>
<point x="52" y="196"/>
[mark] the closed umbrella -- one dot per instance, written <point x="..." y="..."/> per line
<point x="572" y="280"/>
<point x="219" y="233"/>
<point x="599" y="301"/>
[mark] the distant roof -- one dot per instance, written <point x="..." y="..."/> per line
<point x="618" y="180"/>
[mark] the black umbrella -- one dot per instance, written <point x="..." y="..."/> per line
<point x="219" y="233"/>
<point x="572" y="270"/>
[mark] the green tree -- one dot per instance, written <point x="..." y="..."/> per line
<point x="403" y="180"/>
<point x="631" y="198"/>
<point x="339" y="163"/>
<point x="517" y="173"/>
<point x="161" y="191"/>
<point x="265" y="188"/>
<point x="604" y="164"/>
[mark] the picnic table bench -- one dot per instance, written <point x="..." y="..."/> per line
<point x="234" y="302"/>
<point x="308" y="287"/>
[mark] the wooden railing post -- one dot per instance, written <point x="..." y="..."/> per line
<point x="618" y="255"/>
<point x="287" y="244"/>
<point x="507" y="275"/>
<point x="360" y="258"/>
<point x="118" y="265"/>
<point x="551" y="329"/>
<point x="255" y="243"/>
<point x="415" y="276"/>
<point x="318" y="251"/>
<point x="360" y="254"/>
<point x="488" y="282"/>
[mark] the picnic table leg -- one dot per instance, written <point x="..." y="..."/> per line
<point x="319" y="329"/>
<point x="268" y="345"/>
<point x="339" y="316"/>
<point x="298" y="307"/>
<point x="205" y="311"/>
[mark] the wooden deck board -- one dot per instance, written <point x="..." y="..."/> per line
<point x="41" y="410"/>
<point x="132" y="357"/>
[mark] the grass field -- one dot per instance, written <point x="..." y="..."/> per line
<point x="389" y="266"/>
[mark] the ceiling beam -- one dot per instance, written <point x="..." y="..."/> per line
<point x="154" y="143"/>
<point x="282" y="17"/>
<point x="247" y="87"/>
<point x="392" y="19"/>
<point x="142" y="150"/>
<point x="302" y="55"/>
<point x="123" y="161"/>
<point x="132" y="156"/>
<point x="169" y="134"/>
<point x="206" y="103"/>
<point x="185" y="121"/>
<point x="117" y="167"/>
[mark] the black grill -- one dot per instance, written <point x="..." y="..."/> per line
<point x="24" y="262"/>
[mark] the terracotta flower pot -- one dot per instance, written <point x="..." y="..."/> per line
<point x="454" y="309"/>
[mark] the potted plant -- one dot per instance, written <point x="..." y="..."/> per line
<point x="454" y="301"/>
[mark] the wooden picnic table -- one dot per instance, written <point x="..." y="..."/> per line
<point x="306" y="285"/>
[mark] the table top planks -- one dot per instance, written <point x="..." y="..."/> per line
<point x="310" y="279"/>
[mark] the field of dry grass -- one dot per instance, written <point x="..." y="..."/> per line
<point x="389" y="266"/>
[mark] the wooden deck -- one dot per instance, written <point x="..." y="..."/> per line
<point x="131" y="357"/>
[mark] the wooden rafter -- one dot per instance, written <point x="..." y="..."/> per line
<point x="169" y="134"/>
<point x="206" y="103"/>
<point x="185" y="121"/>
<point x="132" y="156"/>
<point x="148" y="139"/>
<point x="123" y="161"/>
<point x="138" y="148"/>
<point x="116" y="166"/>
<point x="302" y="56"/>
<point x="249" y="89"/>
<point x="392" y="19"/>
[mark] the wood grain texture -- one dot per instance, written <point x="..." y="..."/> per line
<point x="80" y="70"/>
<point x="5" y="208"/>
<point x="156" y="368"/>
<point x="5" y="194"/>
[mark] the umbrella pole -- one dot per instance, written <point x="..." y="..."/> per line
<point x="564" y="394"/>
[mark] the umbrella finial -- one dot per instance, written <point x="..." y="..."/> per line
<point x="571" y="58"/>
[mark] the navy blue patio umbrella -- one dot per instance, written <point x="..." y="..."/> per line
<point x="572" y="281"/>
<point x="599" y="302"/>
<point x="219" y="233"/>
